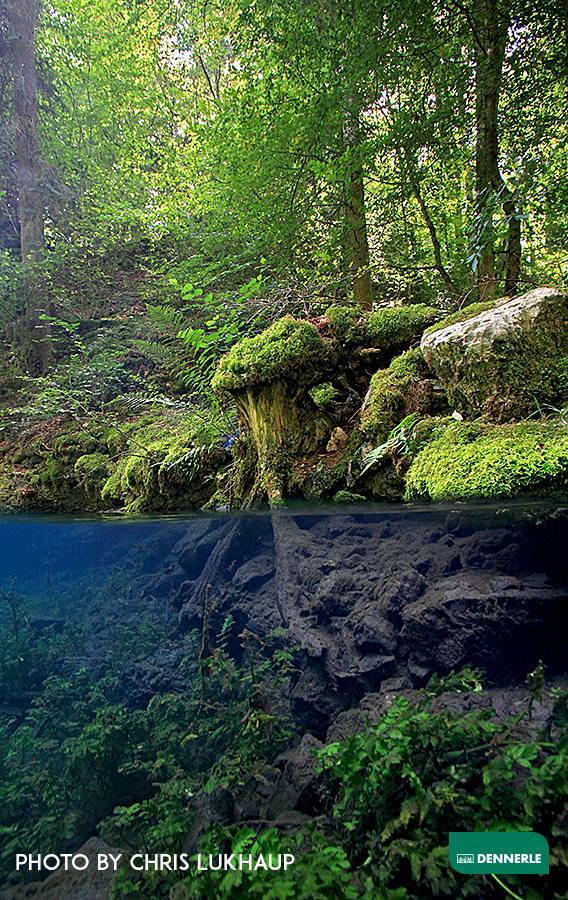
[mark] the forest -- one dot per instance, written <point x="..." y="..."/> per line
<point x="283" y="440"/>
<point x="175" y="177"/>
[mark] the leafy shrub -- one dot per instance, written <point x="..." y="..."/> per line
<point x="426" y="769"/>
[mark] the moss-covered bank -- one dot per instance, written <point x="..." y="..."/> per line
<point x="471" y="460"/>
<point x="298" y="388"/>
<point x="160" y="461"/>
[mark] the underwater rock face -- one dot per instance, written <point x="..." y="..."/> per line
<point x="365" y="606"/>
<point x="503" y="359"/>
<point x="374" y="602"/>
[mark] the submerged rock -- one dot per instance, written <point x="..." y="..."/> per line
<point x="505" y="360"/>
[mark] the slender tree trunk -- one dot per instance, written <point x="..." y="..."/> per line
<point x="356" y="237"/>
<point x="436" y="246"/>
<point x="23" y="19"/>
<point x="489" y="62"/>
<point x="513" y="245"/>
<point x="491" y="189"/>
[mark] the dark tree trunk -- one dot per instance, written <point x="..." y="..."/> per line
<point x="356" y="237"/>
<point x="489" y="62"/>
<point x="490" y="40"/>
<point x="22" y="18"/>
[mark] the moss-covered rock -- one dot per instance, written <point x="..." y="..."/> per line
<point x="290" y="348"/>
<point x="394" y="393"/>
<point x="348" y="497"/>
<point x="472" y="460"/>
<point x="165" y="468"/>
<point x="275" y="379"/>
<point x="398" y="326"/>
<point x="91" y="472"/>
<point x="164" y="460"/>
<point x="507" y="361"/>
<point x="461" y="315"/>
<point x="346" y="322"/>
<point x="324" y="395"/>
<point x="387" y="328"/>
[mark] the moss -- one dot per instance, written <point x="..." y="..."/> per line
<point x="394" y="393"/>
<point x="348" y="497"/>
<point x="476" y="460"/>
<point x="346" y="322"/>
<point x="461" y="315"/>
<point x="75" y="442"/>
<point x="290" y="348"/>
<point x="50" y="475"/>
<point x="164" y="466"/>
<point x="91" y="463"/>
<point x="397" y="326"/>
<point x="91" y="472"/>
<point x="386" y="328"/>
<point x="324" y="395"/>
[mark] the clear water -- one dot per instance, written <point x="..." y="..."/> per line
<point x="372" y="597"/>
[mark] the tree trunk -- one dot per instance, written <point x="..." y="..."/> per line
<point x="513" y="245"/>
<point x="489" y="62"/>
<point x="22" y="19"/>
<point x="436" y="246"/>
<point x="491" y="189"/>
<point x="357" y="241"/>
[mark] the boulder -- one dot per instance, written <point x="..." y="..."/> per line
<point x="503" y="624"/>
<point x="505" y="360"/>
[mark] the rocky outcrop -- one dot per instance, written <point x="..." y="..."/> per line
<point x="368" y="601"/>
<point x="506" y="359"/>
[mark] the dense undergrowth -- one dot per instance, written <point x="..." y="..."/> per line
<point x="75" y="760"/>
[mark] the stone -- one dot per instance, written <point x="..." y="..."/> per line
<point x="503" y="624"/>
<point x="337" y="441"/>
<point x="505" y="360"/>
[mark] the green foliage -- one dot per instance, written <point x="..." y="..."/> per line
<point x="320" y="869"/>
<point x="403" y="439"/>
<point x="289" y="349"/>
<point x="473" y="459"/>
<point x="79" y="760"/>
<point x="398" y="788"/>
<point x="203" y="330"/>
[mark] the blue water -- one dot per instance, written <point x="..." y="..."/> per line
<point x="369" y="598"/>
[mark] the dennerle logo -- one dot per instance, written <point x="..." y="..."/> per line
<point x="493" y="852"/>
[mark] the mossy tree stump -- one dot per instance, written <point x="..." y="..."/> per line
<point x="269" y="377"/>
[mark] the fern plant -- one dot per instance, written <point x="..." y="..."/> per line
<point x="401" y="441"/>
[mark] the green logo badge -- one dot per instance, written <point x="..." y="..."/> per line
<point x="516" y="852"/>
